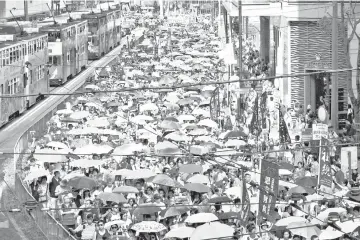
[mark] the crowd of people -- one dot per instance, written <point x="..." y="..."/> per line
<point x="142" y="158"/>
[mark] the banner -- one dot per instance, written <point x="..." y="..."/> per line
<point x="269" y="185"/>
<point x="325" y="176"/>
<point x="283" y="130"/>
<point x="348" y="159"/>
<point x="319" y="131"/>
<point x="245" y="207"/>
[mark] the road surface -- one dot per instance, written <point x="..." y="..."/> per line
<point x="12" y="131"/>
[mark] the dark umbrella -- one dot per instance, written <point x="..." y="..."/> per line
<point x="235" y="134"/>
<point x="190" y="168"/>
<point x="307" y="182"/>
<point x="301" y="190"/>
<point x="146" y="209"/>
<point x="220" y="200"/>
<point x="82" y="182"/>
<point x="286" y="165"/>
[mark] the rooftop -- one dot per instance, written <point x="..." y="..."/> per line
<point x="19" y="39"/>
<point x="50" y="26"/>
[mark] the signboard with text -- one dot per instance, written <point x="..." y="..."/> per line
<point x="348" y="159"/>
<point x="319" y="131"/>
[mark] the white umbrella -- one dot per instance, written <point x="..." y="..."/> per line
<point x="59" y="145"/>
<point x="79" y="115"/>
<point x="36" y="174"/>
<point x="93" y="149"/>
<point x="149" y="107"/>
<point x="92" y="87"/>
<point x="208" y="123"/>
<point x="50" y="156"/>
<point x="177" y="137"/>
<point x="330" y="233"/>
<point x="201" y="218"/>
<point x="212" y="230"/>
<point x="64" y="112"/>
<point x="235" y="143"/>
<point x="85" y="163"/>
<point x="128" y="149"/>
<point x="181" y="232"/>
<point x="98" y="122"/>
<point x="183" y="118"/>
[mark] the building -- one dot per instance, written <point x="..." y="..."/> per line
<point x="23" y="70"/>
<point x="295" y="37"/>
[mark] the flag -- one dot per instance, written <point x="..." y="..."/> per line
<point x="283" y="130"/>
<point x="325" y="176"/>
<point x="245" y="207"/>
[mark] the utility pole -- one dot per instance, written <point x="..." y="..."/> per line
<point x="240" y="57"/>
<point x="334" y="77"/>
<point x="247" y="27"/>
<point x="26" y="10"/>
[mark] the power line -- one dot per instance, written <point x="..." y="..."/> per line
<point x="180" y="85"/>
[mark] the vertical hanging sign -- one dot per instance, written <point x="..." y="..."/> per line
<point x="325" y="177"/>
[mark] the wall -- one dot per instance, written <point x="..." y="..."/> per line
<point x="306" y="40"/>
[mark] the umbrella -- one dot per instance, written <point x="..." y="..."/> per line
<point x="201" y="218"/>
<point x="235" y="134"/>
<point x="330" y="233"/>
<point x="125" y="189"/>
<point x="36" y="174"/>
<point x="119" y="223"/>
<point x="64" y="112"/>
<point x="306" y="181"/>
<point x="198" y="132"/>
<point x="183" y="118"/>
<point x="79" y="115"/>
<point x="348" y="226"/>
<point x="235" y="143"/>
<point x="199" y="178"/>
<point x="128" y="149"/>
<point x="208" y="123"/>
<point x="165" y="180"/>
<point x="286" y="221"/>
<point x="171" y="119"/>
<point x="301" y="190"/>
<point x="190" y="168"/>
<point x="286" y="165"/>
<point x="139" y="173"/>
<point x="197" y="187"/>
<point x="223" y="199"/>
<point x="306" y="230"/>
<point x="181" y="232"/>
<point x="98" y="122"/>
<point x="285" y="172"/>
<point x="212" y="230"/>
<point x="169" y="125"/>
<point x="82" y="182"/>
<point x="322" y="217"/>
<point x="146" y="209"/>
<point x="149" y="107"/>
<point x="148" y="227"/>
<point x="93" y="149"/>
<point x="185" y="101"/>
<point x="229" y="215"/>
<point x="177" y="137"/>
<point x="85" y="163"/>
<point x="59" y="145"/>
<point x="112" y="197"/>
<point x="175" y="211"/>
<point x="50" y="156"/>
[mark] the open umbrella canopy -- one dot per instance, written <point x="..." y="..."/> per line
<point x="82" y="182"/>
<point x="50" y="156"/>
<point x="288" y="220"/>
<point x="190" y="168"/>
<point x="306" y="181"/>
<point x="165" y="180"/>
<point x="125" y="189"/>
<point x="148" y="227"/>
<point x="112" y="197"/>
<point x="301" y="190"/>
<point x="171" y="125"/>
<point x="118" y="223"/>
<point x="212" y="230"/>
<point x="208" y="123"/>
<point x="36" y="174"/>
<point x="128" y="149"/>
<point x="139" y="174"/>
<point x="147" y="209"/>
<point x="180" y="233"/>
<point x="306" y="230"/>
<point x="197" y="187"/>
<point x="199" y="178"/>
<point x="201" y="218"/>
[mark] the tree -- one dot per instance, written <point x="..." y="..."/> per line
<point x="351" y="20"/>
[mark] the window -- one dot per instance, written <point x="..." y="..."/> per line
<point x="13" y="84"/>
<point x="1" y="89"/>
<point x="68" y="56"/>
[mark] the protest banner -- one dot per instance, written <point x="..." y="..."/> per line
<point x="269" y="185"/>
<point x="319" y="131"/>
<point x="324" y="176"/>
